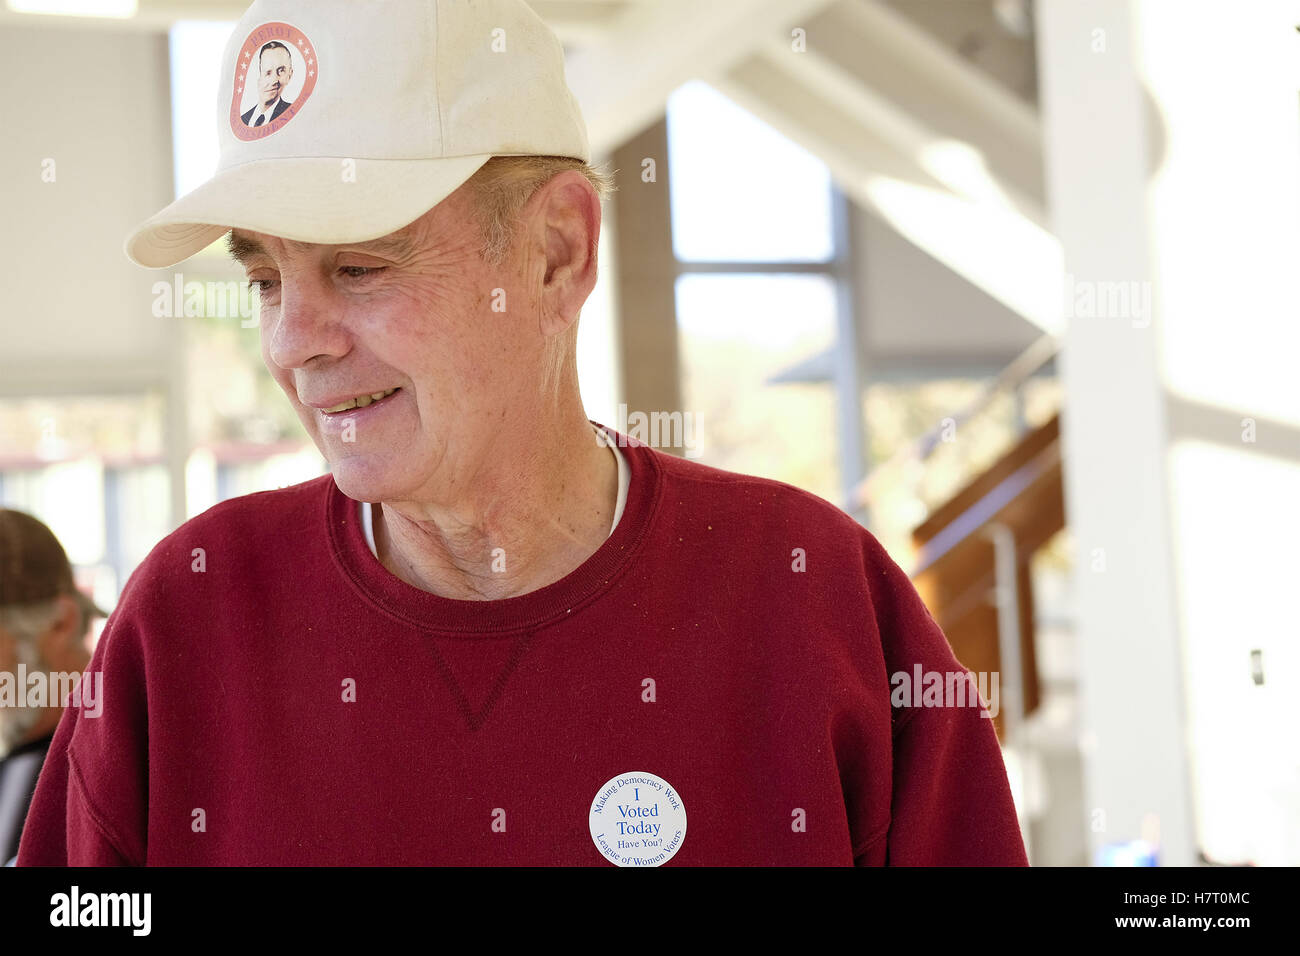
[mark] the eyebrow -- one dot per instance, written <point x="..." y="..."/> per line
<point x="243" y="248"/>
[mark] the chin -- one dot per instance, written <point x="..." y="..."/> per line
<point x="362" y="481"/>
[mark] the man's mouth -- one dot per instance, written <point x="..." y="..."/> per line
<point x="361" y="401"/>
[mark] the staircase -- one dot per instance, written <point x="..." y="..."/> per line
<point x="973" y="562"/>
<point x="973" y="565"/>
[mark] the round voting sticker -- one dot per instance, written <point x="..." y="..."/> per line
<point x="637" y="820"/>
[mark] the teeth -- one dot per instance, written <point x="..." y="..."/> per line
<point x="361" y="401"/>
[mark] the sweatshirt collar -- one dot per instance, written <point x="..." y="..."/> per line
<point x="560" y="599"/>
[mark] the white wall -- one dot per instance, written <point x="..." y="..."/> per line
<point x="96" y="106"/>
<point x="86" y="156"/>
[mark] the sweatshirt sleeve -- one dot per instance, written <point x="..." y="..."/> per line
<point x="89" y="808"/>
<point x="952" y="803"/>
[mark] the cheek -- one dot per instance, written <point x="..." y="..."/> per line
<point x="428" y="322"/>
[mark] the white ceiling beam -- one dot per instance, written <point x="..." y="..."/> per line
<point x="922" y="79"/>
<point x="623" y="83"/>
<point x="153" y="16"/>
<point x="818" y="124"/>
<point x="1008" y="256"/>
<point x="957" y="165"/>
<point x="576" y="22"/>
<point x="581" y="23"/>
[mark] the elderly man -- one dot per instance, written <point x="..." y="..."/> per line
<point x="496" y="632"/>
<point x="44" y="621"/>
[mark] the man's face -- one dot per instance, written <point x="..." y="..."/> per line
<point x="412" y="311"/>
<point x="276" y="71"/>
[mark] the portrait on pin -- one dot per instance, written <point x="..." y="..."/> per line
<point x="270" y="85"/>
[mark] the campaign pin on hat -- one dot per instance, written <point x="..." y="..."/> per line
<point x="345" y="120"/>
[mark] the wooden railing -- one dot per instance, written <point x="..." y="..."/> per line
<point x="1009" y="381"/>
<point x="973" y="566"/>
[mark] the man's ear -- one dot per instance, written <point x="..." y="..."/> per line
<point x="568" y="211"/>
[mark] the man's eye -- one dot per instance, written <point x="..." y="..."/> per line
<point x="262" y="286"/>
<point x="360" y="272"/>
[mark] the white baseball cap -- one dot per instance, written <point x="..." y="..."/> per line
<point x="344" y="120"/>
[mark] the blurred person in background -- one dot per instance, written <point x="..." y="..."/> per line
<point x="44" y="625"/>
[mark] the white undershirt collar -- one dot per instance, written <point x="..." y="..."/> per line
<point x="624" y="481"/>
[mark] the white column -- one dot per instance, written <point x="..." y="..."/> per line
<point x="1113" y="426"/>
<point x="1172" y="132"/>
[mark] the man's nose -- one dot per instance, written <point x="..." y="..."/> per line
<point x="306" y="326"/>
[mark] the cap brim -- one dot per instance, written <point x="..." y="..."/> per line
<point x="89" y="607"/>
<point x="319" y="200"/>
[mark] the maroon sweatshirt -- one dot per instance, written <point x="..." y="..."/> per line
<point x="272" y="695"/>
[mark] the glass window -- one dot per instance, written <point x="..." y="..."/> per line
<point x="737" y="332"/>
<point x="196" y="49"/>
<point x="739" y="190"/>
<point x="92" y="468"/>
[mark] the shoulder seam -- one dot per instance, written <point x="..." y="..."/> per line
<point x="97" y="817"/>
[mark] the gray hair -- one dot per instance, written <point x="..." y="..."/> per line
<point x="25" y="623"/>
<point x="504" y="184"/>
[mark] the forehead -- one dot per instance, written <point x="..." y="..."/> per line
<point x="276" y="51"/>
